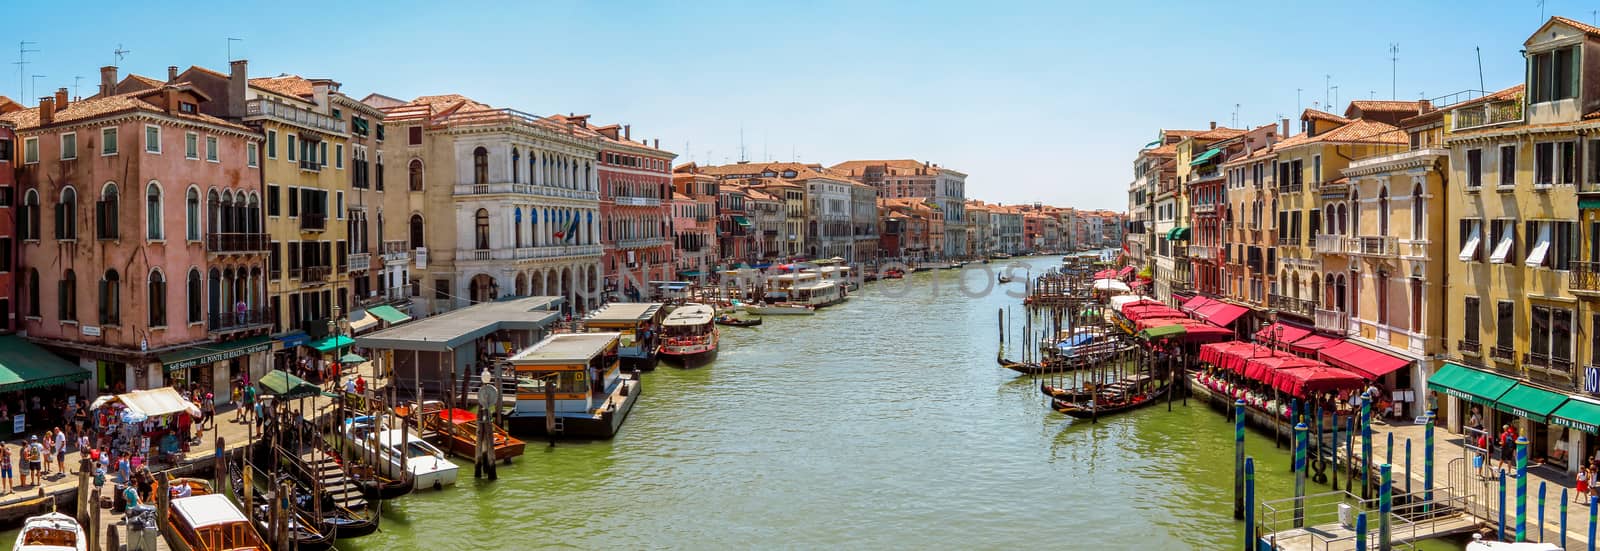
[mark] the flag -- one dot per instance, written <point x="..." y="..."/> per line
<point x="572" y="229"/>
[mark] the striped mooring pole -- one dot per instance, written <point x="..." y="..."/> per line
<point x="1349" y="455"/>
<point x="1502" y="527"/>
<point x="1385" y="507"/>
<point x="1250" y="501"/>
<point x="1522" y="488"/>
<point x="1388" y="450"/>
<point x="1562" y="514"/>
<point x="1541" y="512"/>
<point x="1366" y="447"/>
<point x="1409" y="497"/>
<point x="1361" y="531"/>
<point x="1593" y="501"/>
<point x="1427" y="463"/>
<point x="1238" y="459"/>
<point x="1300" y="433"/>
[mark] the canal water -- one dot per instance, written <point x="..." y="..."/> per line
<point x="882" y="422"/>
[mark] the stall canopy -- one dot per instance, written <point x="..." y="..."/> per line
<point x="1194" y="304"/>
<point x="1281" y="333"/>
<point x="1122" y="301"/>
<point x="289" y="387"/>
<point x="1184" y="329"/>
<point x="1530" y="402"/>
<point x="362" y="322"/>
<point x="159" y="401"/>
<point x="1138" y="312"/>
<point x="1230" y="355"/>
<point x="389" y="314"/>
<point x="1263" y="368"/>
<point x="1360" y="359"/>
<point x="1125" y="271"/>
<point x="1105" y="274"/>
<point x="1110" y="285"/>
<point x="1312" y="343"/>
<point x="329" y="343"/>
<point x="1163" y="332"/>
<point x="1301" y="381"/>
<point x="1480" y="387"/>
<point x="23" y="365"/>
<point x="1578" y="414"/>
<point x="1220" y="313"/>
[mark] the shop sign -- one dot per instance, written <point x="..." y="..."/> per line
<point x="90" y="330"/>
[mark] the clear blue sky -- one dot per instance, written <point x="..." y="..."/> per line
<point x="1036" y="102"/>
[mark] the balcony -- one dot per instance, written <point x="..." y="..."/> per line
<point x="1203" y="252"/>
<point x="1288" y="240"/>
<point x="1487" y="114"/>
<point x="1301" y="307"/>
<point x="358" y="262"/>
<point x="396" y="251"/>
<point x="259" y="108"/>
<point x="1330" y="244"/>
<point x="1561" y="366"/>
<point x="1336" y="187"/>
<point x="1385" y="245"/>
<point x="647" y="242"/>
<point x="1204" y="208"/>
<point x="237" y="242"/>
<point x="238" y="320"/>
<point x="528" y="253"/>
<point x="310" y="165"/>
<point x="1332" y="321"/>
<point x="1469" y="347"/>
<point x="1584" y="278"/>
<point x="624" y="201"/>
<point x="1289" y="188"/>
<point x="310" y="221"/>
<point x="1503" y="353"/>
<point x="507" y="188"/>
<point x="315" y="274"/>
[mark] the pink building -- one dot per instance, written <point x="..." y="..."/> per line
<point x="120" y="192"/>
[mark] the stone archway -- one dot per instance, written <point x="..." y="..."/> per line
<point x="567" y="287"/>
<point x="482" y="288"/>
<point x="522" y="284"/>
<point x="536" y="280"/>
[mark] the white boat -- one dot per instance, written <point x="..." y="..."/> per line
<point x="394" y="456"/>
<point x="688" y="336"/>
<point x="817" y="294"/>
<point x="1479" y="544"/>
<point x="780" y="309"/>
<point x="210" y="522"/>
<point x="51" y="532"/>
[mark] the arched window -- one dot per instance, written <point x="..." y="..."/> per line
<point x="67" y="296"/>
<point x="1328" y="221"/>
<point x="482" y="228"/>
<point x="480" y="166"/>
<point x="1383" y="217"/>
<point x="1355" y="212"/>
<point x="1417" y="216"/>
<point x="191" y="214"/>
<point x="1338" y="293"/>
<point x="30" y="215"/>
<point x="516" y="225"/>
<point x="214" y="211"/>
<point x="196" y="297"/>
<point x="33" y="292"/>
<point x="416" y="231"/>
<point x="1344" y="220"/>
<point x="105" y="213"/>
<point x="533" y="168"/>
<point x="156" y="299"/>
<point x="416" y="174"/>
<point x="152" y="211"/>
<point x="110" y="299"/>
<point x="252" y="214"/>
<point x="67" y="214"/>
<point x="516" y="168"/>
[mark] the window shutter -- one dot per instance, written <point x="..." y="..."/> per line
<point x="343" y="250"/>
<point x="294" y="202"/>
<point x="294" y="256"/>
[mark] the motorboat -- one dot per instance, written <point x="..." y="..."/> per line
<point x="395" y="452"/>
<point x="457" y="430"/>
<point x="780" y="309"/>
<point x="210" y="522"/>
<point x="731" y="321"/>
<point x="51" y="532"/>
<point x="688" y="336"/>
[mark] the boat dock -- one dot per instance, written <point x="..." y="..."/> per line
<point x="1328" y="522"/>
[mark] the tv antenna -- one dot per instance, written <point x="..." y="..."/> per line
<point x="741" y="143"/>
<point x="1327" y="90"/>
<point x="1541" y="9"/>
<point x="75" y="80"/>
<point x="1394" y="69"/>
<point x="22" y="66"/>
<point x="230" y="47"/>
<point x="35" y="82"/>
<point x="1235" y="115"/>
<point x="118" y="54"/>
<point x="1299" y="104"/>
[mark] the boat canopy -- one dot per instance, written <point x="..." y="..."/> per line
<point x="566" y="349"/>
<point x="625" y="312"/>
<point x="207" y="510"/>
<point x="1078" y="339"/>
<point x="689" y="315"/>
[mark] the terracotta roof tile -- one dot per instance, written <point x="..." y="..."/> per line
<point x="1323" y="115"/>
<point x="293" y="86"/>
<point x="1588" y="29"/>
<point x="104" y="106"/>
<point x="1384" y="106"/>
<point x="1219" y="133"/>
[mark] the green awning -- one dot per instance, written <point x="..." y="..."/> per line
<point x="326" y="344"/>
<point x="1530" y="402"/>
<point x="691" y="273"/>
<point x="1589" y="203"/>
<point x="1203" y="157"/>
<point x="1163" y="332"/>
<point x="1155" y="143"/>
<point x="206" y="353"/>
<point x="740" y="220"/>
<point x="1578" y="414"/>
<point x="348" y="359"/>
<point x="1479" y="387"/>
<point x="24" y="365"/>
<point x="388" y="313"/>
<point x="1177" y="234"/>
<point x="286" y="386"/>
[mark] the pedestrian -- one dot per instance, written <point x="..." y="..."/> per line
<point x="36" y="460"/>
<point x="1583" y="484"/>
<point x="61" y="451"/>
<point x="22" y="464"/>
<point x="5" y="469"/>
<point x="210" y="413"/>
<point x="349" y="386"/>
<point x="1508" y="447"/>
<point x="361" y="385"/>
<point x="250" y="402"/>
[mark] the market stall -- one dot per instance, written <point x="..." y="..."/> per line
<point x="146" y="426"/>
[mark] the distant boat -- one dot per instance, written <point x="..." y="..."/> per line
<point x="688" y="336"/>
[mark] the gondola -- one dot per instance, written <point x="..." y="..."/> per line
<point x="1109" y="403"/>
<point x="376" y="487"/>
<point x="1002" y="278"/>
<point x="1065" y="394"/>
<point x="304" y="532"/>
<point x="736" y="322"/>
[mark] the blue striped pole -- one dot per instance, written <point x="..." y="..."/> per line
<point x="1294" y="419"/>
<point x="1592" y="510"/>
<point x="1540" y="511"/>
<point x="1522" y="488"/>
<point x="1349" y="455"/>
<point x="1367" y="447"/>
<point x="1409" y="497"/>
<point x="1333" y="448"/>
<point x="1502" y="528"/>
<point x="1427" y="463"/>
<point x="1388" y="450"/>
<point x="1562" y="514"/>
<point x="1250" y="504"/>
<point x="1385" y="507"/>
<point x="1361" y="531"/>
<point x="1300" y="475"/>
<point x="1238" y="459"/>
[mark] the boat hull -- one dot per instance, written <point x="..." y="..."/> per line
<point x="1085" y="411"/>
<point x="780" y="311"/>
<point x="689" y="359"/>
<point x="593" y="427"/>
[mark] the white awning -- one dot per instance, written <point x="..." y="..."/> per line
<point x="361" y="322"/>
<point x="1470" y="249"/>
<point x="1541" y="248"/>
<point x="1502" y="249"/>
<point x="160" y="401"/>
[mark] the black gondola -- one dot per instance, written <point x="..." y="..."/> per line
<point x="1108" y="403"/>
<point x="1065" y="394"/>
<point x="736" y="322"/>
<point x="304" y="533"/>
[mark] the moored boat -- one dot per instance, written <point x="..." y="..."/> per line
<point x="639" y="325"/>
<point x="572" y="384"/>
<point x="457" y="430"/>
<point x="737" y="322"/>
<point x="210" y="522"/>
<point x="688" y="336"/>
<point x="396" y="453"/>
<point x="780" y="309"/>
<point x="51" y="532"/>
<point x="1002" y="278"/>
<point x="1124" y="395"/>
<point x="893" y="273"/>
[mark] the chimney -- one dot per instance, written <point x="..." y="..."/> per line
<point x="1213" y="125"/>
<point x="172" y="74"/>
<point x="237" y="81"/>
<point x="1284" y="131"/>
<point x="108" y="79"/>
<point x="319" y="91"/>
<point x="656" y="143"/>
<point x="47" y="110"/>
<point x="627" y="132"/>
<point x="61" y="99"/>
<point x="1426" y="106"/>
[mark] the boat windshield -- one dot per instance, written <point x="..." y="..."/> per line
<point x="417" y="449"/>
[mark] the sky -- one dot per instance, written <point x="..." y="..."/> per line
<point x="1036" y="102"/>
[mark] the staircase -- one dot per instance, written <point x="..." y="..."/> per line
<point x="331" y="477"/>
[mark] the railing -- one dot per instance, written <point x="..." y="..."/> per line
<point x="1487" y="114"/>
<point x="315" y="274"/>
<point x="396" y="251"/>
<point x="293" y="115"/>
<point x="1384" y="245"/>
<point x="1309" y="518"/>
<point x="1332" y="321"/>
<point x="1292" y="305"/>
<point x="236" y="242"/>
<point x="1202" y="252"/>
<point x="642" y="243"/>
<point x="1503" y="353"/>
<point x="529" y="253"/>
<point x="1289" y="188"/>
<point x="1204" y="208"/>
<point x="1330" y="244"/>
<point x="218" y="322"/>
<point x="1469" y="347"/>
<point x="1288" y="240"/>
<point x="525" y="189"/>
<point x="358" y="262"/>
<point x="1584" y="276"/>
<point x="311" y="165"/>
<point x="310" y="221"/>
<point x="1331" y="188"/>
<point x="1414" y="249"/>
<point x="1207" y="175"/>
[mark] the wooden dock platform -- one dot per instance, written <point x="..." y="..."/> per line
<point x="1336" y="537"/>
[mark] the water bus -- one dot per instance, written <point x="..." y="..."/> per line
<point x="638" y="323"/>
<point x="572" y="384"/>
<point x="688" y="336"/>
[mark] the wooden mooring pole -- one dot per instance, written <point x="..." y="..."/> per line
<point x="1238" y="459"/>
